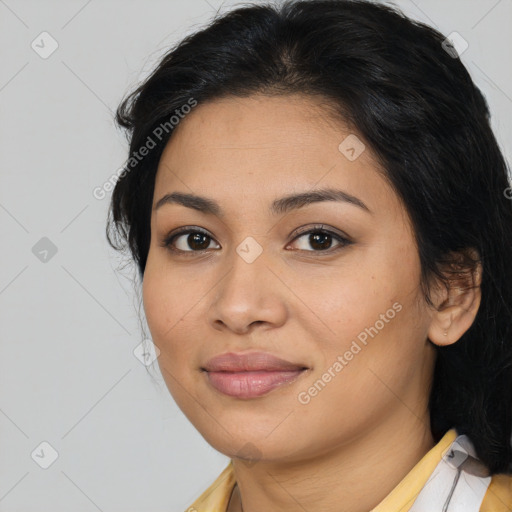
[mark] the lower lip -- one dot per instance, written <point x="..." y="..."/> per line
<point x="250" y="384"/>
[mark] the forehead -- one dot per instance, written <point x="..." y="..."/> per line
<point x="272" y="124"/>
<point x="268" y="146"/>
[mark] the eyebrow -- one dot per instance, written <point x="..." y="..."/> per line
<point x="278" y="206"/>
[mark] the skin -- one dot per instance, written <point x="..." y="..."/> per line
<point x="297" y="301"/>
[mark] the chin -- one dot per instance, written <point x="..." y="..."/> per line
<point x="254" y="446"/>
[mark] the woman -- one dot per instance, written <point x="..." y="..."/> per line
<point x="317" y="208"/>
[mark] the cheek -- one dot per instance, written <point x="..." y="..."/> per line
<point x="168" y="297"/>
<point x="156" y="304"/>
<point x="164" y="313"/>
<point x="367" y="310"/>
<point x="347" y="300"/>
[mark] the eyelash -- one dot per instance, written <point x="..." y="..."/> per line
<point x="169" y="240"/>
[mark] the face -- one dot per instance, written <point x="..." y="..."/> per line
<point x="331" y="286"/>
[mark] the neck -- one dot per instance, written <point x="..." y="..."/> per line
<point x="359" y="473"/>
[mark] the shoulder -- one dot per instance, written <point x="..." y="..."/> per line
<point x="498" y="497"/>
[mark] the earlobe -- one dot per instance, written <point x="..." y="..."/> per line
<point x="457" y="307"/>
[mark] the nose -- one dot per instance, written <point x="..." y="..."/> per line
<point x="249" y="295"/>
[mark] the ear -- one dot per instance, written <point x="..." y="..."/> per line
<point x="457" y="306"/>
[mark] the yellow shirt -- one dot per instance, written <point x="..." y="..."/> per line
<point x="497" y="498"/>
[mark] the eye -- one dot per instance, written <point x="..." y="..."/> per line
<point x="196" y="240"/>
<point x="321" y="240"/>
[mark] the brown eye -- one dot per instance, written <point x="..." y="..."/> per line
<point x="188" y="240"/>
<point x="321" y="240"/>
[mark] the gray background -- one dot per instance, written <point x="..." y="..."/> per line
<point x="69" y="325"/>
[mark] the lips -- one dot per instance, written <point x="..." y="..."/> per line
<point x="250" y="375"/>
<point x="247" y="362"/>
